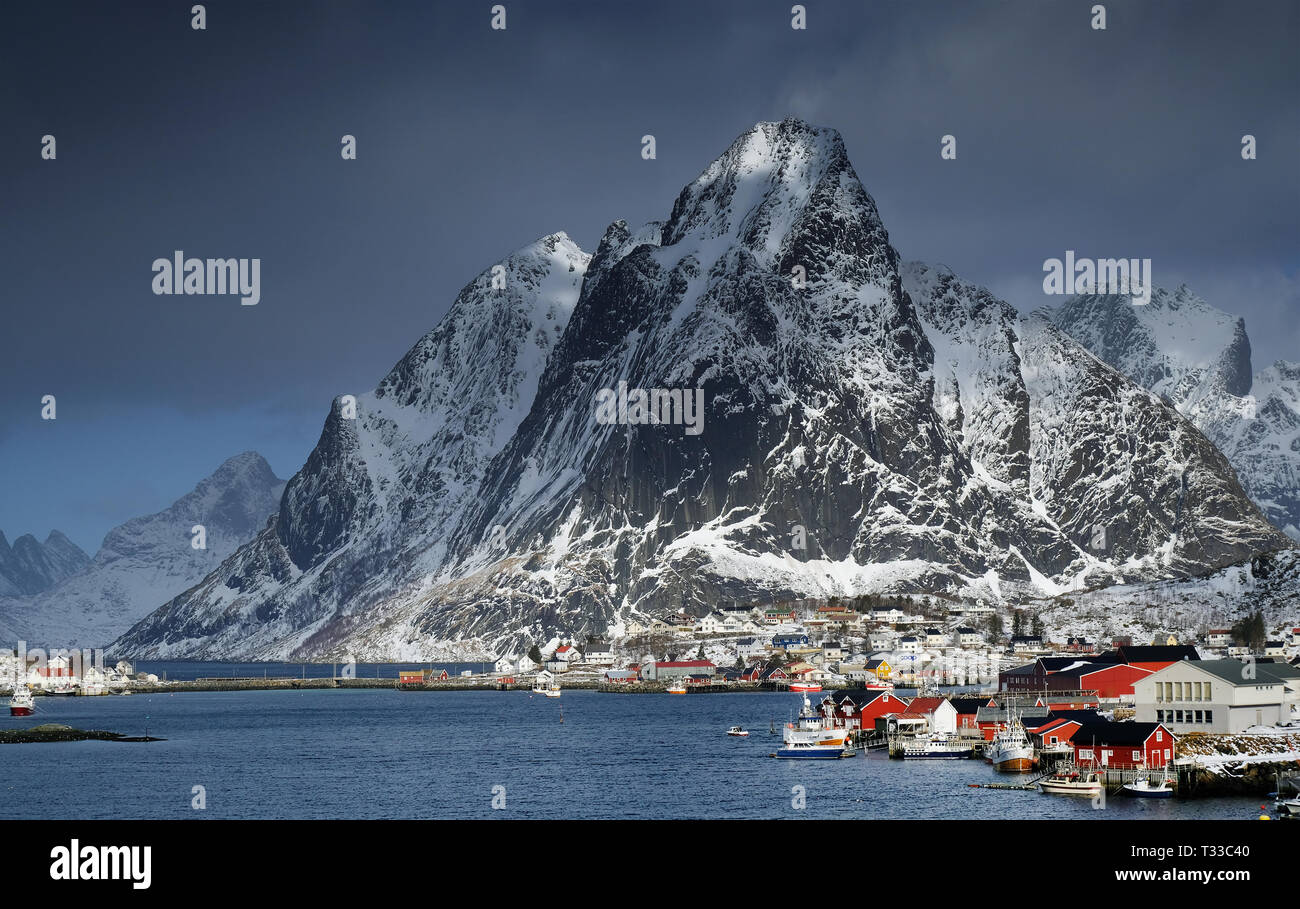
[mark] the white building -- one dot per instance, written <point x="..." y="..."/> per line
<point x="882" y="640"/>
<point x="563" y="656"/>
<point x="600" y="654"/>
<point x="1223" y="696"/>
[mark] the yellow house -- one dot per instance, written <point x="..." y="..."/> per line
<point x="881" y="668"/>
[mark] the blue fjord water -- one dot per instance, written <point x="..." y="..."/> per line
<point x="383" y="753"/>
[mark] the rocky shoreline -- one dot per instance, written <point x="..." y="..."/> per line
<point x="57" y="732"/>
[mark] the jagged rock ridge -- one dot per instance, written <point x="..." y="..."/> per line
<point x="910" y="430"/>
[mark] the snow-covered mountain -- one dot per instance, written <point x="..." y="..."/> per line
<point x="866" y="427"/>
<point x="1198" y="358"/>
<point x="148" y="560"/>
<point x="30" y="566"/>
<point x="1185" y="607"/>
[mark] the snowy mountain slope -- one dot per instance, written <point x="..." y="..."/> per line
<point x="903" y="426"/>
<point x="1185" y="607"/>
<point x="148" y="560"/>
<point x="369" y="513"/>
<point x="29" y="566"/>
<point x="1198" y="358"/>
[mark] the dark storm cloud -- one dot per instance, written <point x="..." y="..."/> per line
<point x="474" y="142"/>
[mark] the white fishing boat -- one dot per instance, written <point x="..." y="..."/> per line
<point x="1010" y="751"/>
<point x="1072" y="782"/>
<point x="22" y="703"/>
<point x="936" y="746"/>
<point x="1150" y="789"/>
<point x="677" y="688"/>
<point x="547" y="685"/>
<point x="808" y="737"/>
<point x="737" y="731"/>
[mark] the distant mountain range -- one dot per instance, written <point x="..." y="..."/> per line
<point x="79" y="601"/>
<point x="30" y="566"/>
<point x="870" y="425"/>
<point x="1198" y="359"/>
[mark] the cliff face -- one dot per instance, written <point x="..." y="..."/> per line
<point x="867" y="426"/>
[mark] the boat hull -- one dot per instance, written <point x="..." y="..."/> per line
<point x="21" y="711"/>
<point x="1149" y="793"/>
<point x="1086" y="791"/>
<point x="937" y="755"/>
<point x="811" y="754"/>
<point x="1014" y="765"/>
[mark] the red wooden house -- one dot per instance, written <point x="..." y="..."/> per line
<point x="858" y="709"/>
<point x="1123" y="746"/>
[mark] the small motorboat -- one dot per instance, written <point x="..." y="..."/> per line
<point x="1072" y="782"/>
<point x="1150" y="789"/>
<point x="677" y="688"/>
<point x="21" y="704"/>
<point x="805" y="686"/>
<point x="737" y="731"/>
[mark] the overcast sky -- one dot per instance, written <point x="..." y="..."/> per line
<point x="474" y="142"/>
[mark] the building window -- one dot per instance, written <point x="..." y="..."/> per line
<point x="1137" y="755"/>
<point x="1198" y="716"/>
<point x="1208" y="695"/>
<point x="1178" y="716"/>
<point x="1160" y="735"/>
<point x="1169" y="691"/>
<point x="1198" y="692"/>
<point x="1209" y="716"/>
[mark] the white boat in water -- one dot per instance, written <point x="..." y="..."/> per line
<point x="1150" y="789"/>
<point x="1010" y="751"/>
<point x="22" y="703"/>
<point x="936" y="745"/>
<point x="808" y="737"/>
<point x="737" y="731"/>
<point x="547" y="685"/>
<point x="1072" y="782"/>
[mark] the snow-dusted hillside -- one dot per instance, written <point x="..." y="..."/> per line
<point x="906" y="426"/>
<point x="1198" y="358"/>
<point x="369" y="517"/>
<point x="148" y="560"/>
<point x="1184" y="607"/>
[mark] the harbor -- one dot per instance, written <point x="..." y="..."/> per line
<point x="367" y="752"/>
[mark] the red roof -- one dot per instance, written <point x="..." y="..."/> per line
<point x="920" y="706"/>
<point x="563" y="649"/>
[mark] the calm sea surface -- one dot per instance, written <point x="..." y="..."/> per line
<point x="386" y="753"/>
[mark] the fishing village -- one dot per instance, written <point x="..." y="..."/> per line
<point x="1165" y="719"/>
